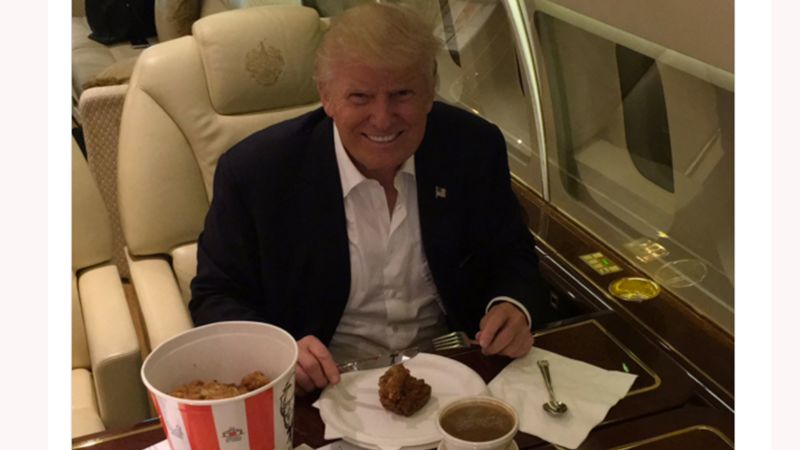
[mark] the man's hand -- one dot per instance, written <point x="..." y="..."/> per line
<point x="505" y="331"/>
<point x="315" y="366"/>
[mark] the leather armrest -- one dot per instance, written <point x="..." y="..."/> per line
<point x="164" y="311"/>
<point x="113" y="347"/>
<point x="85" y="419"/>
<point x="184" y="264"/>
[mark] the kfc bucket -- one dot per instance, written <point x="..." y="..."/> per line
<point x="225" y="351"/>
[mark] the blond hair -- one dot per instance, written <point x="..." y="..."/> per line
<point x="380" y="35"/>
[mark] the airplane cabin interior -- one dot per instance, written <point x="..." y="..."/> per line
<point x="619" y="127"/>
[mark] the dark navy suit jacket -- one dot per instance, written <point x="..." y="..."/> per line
<point x="275" y="246"/>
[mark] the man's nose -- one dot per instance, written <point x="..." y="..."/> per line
<point x="382" y="112"/>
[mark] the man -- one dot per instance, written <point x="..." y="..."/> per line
<point x="382" y="219"/>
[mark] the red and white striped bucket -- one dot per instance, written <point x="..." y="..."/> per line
<point x="225" y="351"/>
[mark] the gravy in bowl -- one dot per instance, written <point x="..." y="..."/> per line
<point x="477" y="421"/>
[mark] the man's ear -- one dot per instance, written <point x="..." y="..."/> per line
<point x="325" y="97"/>
<point x="431" y="96"/>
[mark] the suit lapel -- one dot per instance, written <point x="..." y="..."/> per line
<point x="436" y="195"/>
<point x="322" y="228"/>
<point x="319" y="184"/>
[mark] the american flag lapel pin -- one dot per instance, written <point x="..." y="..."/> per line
<point x="441" y="192"/>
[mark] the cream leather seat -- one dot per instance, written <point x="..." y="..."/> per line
<point x="190" y="100"/>
<point x="106" y="388"/>
<point x="108" y="68"/>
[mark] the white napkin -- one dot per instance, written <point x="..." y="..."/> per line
<point x="330" y="432"/>
<point x="589" y="392"/>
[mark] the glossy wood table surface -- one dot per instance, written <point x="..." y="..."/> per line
<point x="600" y="339"/>
<point x="686" y="428"/>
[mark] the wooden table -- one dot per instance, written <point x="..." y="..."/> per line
<point x="661" y="395"/>
<point x="685" y="428"/>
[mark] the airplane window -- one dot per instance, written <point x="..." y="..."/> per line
<point x="645" y="115"/>
<point x="641" y="153"/>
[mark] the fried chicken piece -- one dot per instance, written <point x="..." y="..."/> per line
<point x="254" y="380"/>
<point x="214" y="390"/>
<point x="401" y="393"/>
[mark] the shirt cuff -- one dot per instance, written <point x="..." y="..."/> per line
<point x="513" y="302"/>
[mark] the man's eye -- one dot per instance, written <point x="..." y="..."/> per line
<point x="358" y="98"/>
<point x="405" y="93"/>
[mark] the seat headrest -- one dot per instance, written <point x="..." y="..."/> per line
<point x="259" y="58"/>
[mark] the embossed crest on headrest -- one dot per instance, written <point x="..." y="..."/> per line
<point x="265" y="64"/>
<point x="259" y="58"/>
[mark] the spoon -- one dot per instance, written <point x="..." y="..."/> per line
<point x="553" y="407"/>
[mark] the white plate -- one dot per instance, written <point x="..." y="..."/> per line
<point x="353" y="407"/>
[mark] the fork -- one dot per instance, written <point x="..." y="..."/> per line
<point x="453" y="340"/>
<point x="449" y="341"/>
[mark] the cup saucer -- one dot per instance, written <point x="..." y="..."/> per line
<point x="512" y="446"/>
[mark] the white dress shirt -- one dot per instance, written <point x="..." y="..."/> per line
<point x="393" y="300"/>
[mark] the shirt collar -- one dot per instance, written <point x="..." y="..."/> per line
<point x="349" y="173"/>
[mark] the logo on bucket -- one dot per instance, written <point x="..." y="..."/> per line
<point x="177" y="431"/>
<point x="233" y="434"/>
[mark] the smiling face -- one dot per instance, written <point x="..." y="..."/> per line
<point x="380" y="114"/>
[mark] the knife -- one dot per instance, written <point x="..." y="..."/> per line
<point x="379" y="361"/>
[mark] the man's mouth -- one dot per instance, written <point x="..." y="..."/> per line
<point x="382" y="138"/>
